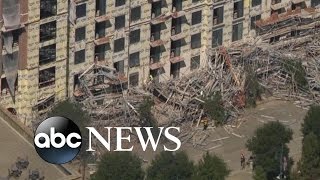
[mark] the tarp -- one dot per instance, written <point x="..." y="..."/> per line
<point x="10" y="67"/>
<point x="8" y="42"/>
<point x="11" y="14"/>
<point x="72" y="12"/>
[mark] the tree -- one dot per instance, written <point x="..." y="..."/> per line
<point x="147" y="119"/>
<point x="213" y="106"/>
<point x="312" y="121"/>
<point x="211" y="167"/>
<point x="259" y="174"/>
<point x="119" y="165"/>
<point x="309" y="164"/>
<point x="170" y="166"/>
<point x="81" y="117"/>
<point x="253" y="90"/>
<point x="269" y="147"/>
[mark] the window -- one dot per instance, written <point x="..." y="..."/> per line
<point x="76" y="81"/>
<point x="80" y="34"/>
<point x="48" y="8"/>
<point x="177" y="5"/>
<point x="47" y="77"/>
<point x="15" y="35"/>
<point x="156" y="9"/>
<point x="134" y="79"/>
<point x="46" y="103"/>
<point x="217" y="37"/>
<point x="119" y="45"/>
<point x="195" y="1"/>
<point x="196" y="17"/>
<point x="253" y="21"/>
<point x="120" y="2"/>
<point x="238" y="9"/>
<point x="155" y="32"/>
<point x="79" y="56"/>
<point x="100" y="30"/>
<point x="100" y="52"/>
<point x="176" y="26"/>
<point x="134" y="59"/>
<point x="237" y="32"/>
<point x="196" y="41"/>
<point x="47" y="54"/>
<point x="100" y="7"/>
<point x="134" y="36"/>
<point x="119" y="66"/>
<point x="256" y="3"/>
<point x="135" y="13"/>
<point x="195" y="62"/>
<point x="155" y="53"/>
<point x="48" y="31"/>
<point x="315" y="3"/>
<point x="81" y="10"/>
<point x="120" y="22"/>
<point x="218" y="15"/>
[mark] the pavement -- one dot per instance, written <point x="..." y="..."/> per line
<point x="13" y="145"/>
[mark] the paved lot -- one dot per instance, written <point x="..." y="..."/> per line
<point x="13" y="145"/>
<point x="232" y="145"/>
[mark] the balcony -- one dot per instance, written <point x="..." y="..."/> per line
<point x="120" y="79"/>
<point x="175" y="57"/>
<point x="153" y="1"/>
<point x="177" y="14"/>
<point x="275" y="5"/>
<point x="155" y="40"/>
<point x="101" y="40"/>
<point x="156" y="65"/>
<point x="159" y="19"/>
<point x="297" y="1"/>
<point x="102" y="18"/>
<point x="176" y="35"/>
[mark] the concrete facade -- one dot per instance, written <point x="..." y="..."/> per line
<point x="159" y="38"/>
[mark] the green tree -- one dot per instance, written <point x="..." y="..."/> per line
<point x="146" y="117"/>
<point x="170" y="166"/>
<point x="211" y="167"/>
<point x="312" y="121"/>
<point x="119" y="165"/>
<point x="259" y="174"/>
<point x="81" y="117"/>
<point x="269" y="146"/>
<point x="213" y="106"/>
<point x="295" y="69"/>
<point x="309" y="164"/>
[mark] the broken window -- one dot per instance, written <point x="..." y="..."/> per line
<point x="238" y="9"/>
<point x="196" y="41"/>
<point x="134" y="59"/>
<point x="100" y="7"/>
<point x="155" y="32"/>
<point x="156" y="9"/>
<point x="155" y="53"/>
<point x="47" y="77"/>
<point x="218" y="15"/>
<point x="255" y="3"/>
<point x="48" y="31"/>
<point x="195" y="62"/>
<point x="47" y="54"/>
<point x="253" y="21"/>
<point x="315" y="3"/>
<point x="176" y="25"/>
<point x="120" y="2"/>
<point x="80" y="34"/>
<point x="134" y="79"/>
<point x="120" y="22"/>
<point x="100" y="30"/>
<point x="134" y="36"/>
<point x="118" y="45"/>
<point x="237" y="31"/>
<point x="119" y="66"/>
<point x="48" y="8"/>
<point x="196" y="17"/>
<point x="177" y="5"/>
<point x="80" y="56"/>
<point x="135" y="13"/>
<point x="217" y="37"/>
<point x="100" y="52"/>
<point x="81" y="10"/>
<point x="45" y="103"/>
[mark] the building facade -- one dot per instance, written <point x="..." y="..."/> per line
<point x="47" y="44"/>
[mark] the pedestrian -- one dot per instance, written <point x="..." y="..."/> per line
<point x="242" y="161"/>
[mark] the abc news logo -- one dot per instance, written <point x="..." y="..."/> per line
<point x="58" y="140"/>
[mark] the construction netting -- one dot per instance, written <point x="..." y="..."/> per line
<point x="11" y="14"/>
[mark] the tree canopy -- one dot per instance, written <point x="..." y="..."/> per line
<point x="312" y="121"/>
<point x="268" y="145"/>
<point x="119" y="165"/>
<point x="170" y="166"/>
<point x="213" y="106"/>
<point x="211" y="167"/>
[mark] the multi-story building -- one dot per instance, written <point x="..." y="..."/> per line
<point x="46" y="44"/>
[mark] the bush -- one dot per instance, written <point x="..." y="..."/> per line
<point x="296" y="71"/>
<point x="213" y="107"/>
<point x="312" y="121"/>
